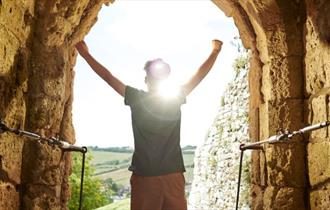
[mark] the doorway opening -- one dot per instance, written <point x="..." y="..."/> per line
<point x="127" y="34"/>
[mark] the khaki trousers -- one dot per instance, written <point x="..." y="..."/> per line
<point x="164" y="192"/>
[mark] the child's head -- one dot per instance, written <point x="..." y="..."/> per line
<point x="156" y="71"/>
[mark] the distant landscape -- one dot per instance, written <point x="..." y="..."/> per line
<point x="111" y="166"/>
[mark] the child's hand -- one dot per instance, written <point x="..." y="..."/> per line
<point x="217" y="44"/>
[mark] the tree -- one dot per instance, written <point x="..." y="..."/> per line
<point x="93" y="196"/>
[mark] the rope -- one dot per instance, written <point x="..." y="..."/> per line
<point x="282" y="137"/>
<point x="63" y="145"/>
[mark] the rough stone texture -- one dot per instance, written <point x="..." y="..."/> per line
<point x="319" y="163"/>
<point x="285" y="198"/>
<point x="8" y="196"/>
<point x="217" y="160"/>
<point x="317" y="66"/>
<point x="289" y="85"/>
<point x="257" y="195"/>
<point x="36" y="76"/>
<point x="320" y="197"/>
<point x="317" y="91"/>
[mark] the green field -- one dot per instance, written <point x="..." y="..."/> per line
<point x="107" y="162"/>
<point x="115" y="165"/>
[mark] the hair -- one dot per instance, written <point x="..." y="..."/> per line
<point x="149" y="67"/>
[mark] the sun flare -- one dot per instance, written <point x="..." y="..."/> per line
<point x="168" y="89"/>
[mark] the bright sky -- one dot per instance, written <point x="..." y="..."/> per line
<point x="127" y="34"/>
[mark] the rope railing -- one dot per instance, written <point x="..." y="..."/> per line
<point x="55" y="142"/>
<point x="282" y="137"/>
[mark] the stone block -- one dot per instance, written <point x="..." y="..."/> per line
<point x="263" y="169"/>
<point x="65" y="17"/>
<point x="41" y="164"/>
<point x="317" y="65"/>
<point x="9" y="47"/>
<point x="255" y="81"/>
<point x="39" y="200"/>
<point x="255" y="168"/>
<point x="17" y="18"/>
<point x="263" y="121"/>
<point x="257" y="197"/>
<point x="285" y="115"/>
<point x="320" y="198"/>
<point x="285" y="198"/>
<point x="328" y="116"/>
<point x="285" y="41"/>
<point x="282" y="78"/>
<point x="318" y="162"/>
<point x="319" y="114"/>
<point x="11" y="157"/>
<point x="254" y="124"/>
<point x="9" y="197"/>
<point x="276" y="116"/>
<point x="286" y="164"/>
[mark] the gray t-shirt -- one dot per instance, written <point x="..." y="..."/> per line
<point x="156" y="127"/>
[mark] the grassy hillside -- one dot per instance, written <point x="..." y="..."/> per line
<point x="112" y="164"/>
<point x="115" y="165"/>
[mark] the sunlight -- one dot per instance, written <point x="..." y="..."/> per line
<point x="129" y="33"/>
<point x="168" y="89"/>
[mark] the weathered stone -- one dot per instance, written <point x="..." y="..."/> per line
<point x="282" y="84"/>
<point x="15" y="19"/>
<point x="329" y="117"/>
<point x="320" y="198"/>
<point x="241" y="20"/>
<point x="286" y="165"/>
<point x="256" y="97"/>
<point x="9" y="196"/>
<point x="255" y="168"/>
<point x="317" y="65"/>
<point x="285" y="198"/>
<point x="254" y="125"/>
<point x="319" y="114"/>
<point x="11" y="158"/>
<point x="263" y="169"/>
<point x="257" y="197"/>
<point x="318" y="162"/>
<point x="285" y="115"/>
<point x="36" y="74"/>
<point x="216" y="162"/>
<point x="289" y="85"/>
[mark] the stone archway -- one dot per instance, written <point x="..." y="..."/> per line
<point x="289" y="85"/>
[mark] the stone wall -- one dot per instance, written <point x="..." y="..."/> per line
<point x="36" y="76"/>
<point x="217" y="160"/>
<point x="289" y="88"/>
<point x="317" y="92"/>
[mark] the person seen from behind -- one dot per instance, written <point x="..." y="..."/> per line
<point x="157" y="181"/>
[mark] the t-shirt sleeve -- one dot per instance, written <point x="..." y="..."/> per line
<point x="131" y="95"/>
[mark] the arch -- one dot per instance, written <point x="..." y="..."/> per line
<point x="289" y="85"/>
